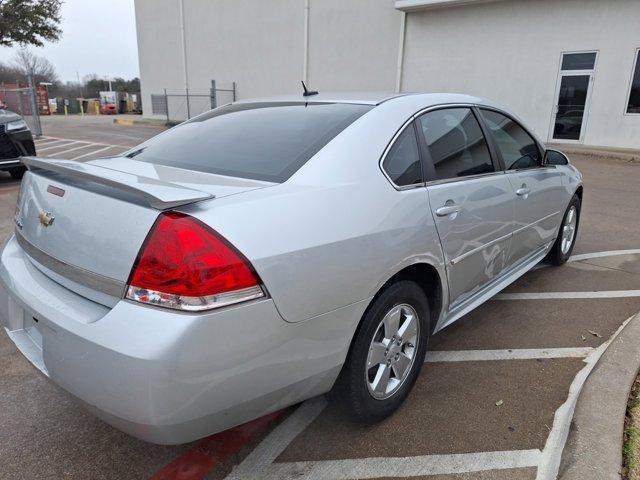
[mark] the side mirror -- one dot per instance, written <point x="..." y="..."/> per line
<point x="554" y="157"/>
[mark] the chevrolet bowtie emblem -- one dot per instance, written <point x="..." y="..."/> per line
<point x="46" y="219"/>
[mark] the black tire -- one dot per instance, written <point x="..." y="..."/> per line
<point x="351" y="390"/>
<point x="18" y="172"/>
<point x="556" y="256"/>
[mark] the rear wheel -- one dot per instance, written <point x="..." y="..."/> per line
<point x="562" y="248"/>
<point x="386" y="355"/>
<point x="18" y="172"/>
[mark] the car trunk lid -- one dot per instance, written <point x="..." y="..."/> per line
<point x="83" y="224"/>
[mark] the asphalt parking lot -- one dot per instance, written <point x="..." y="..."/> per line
<point x="488" y="403"/>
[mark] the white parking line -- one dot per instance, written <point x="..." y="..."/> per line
<point x="91" y="153"/>
<point x="64" y="152"/>
<point x="512" y="354"/>
<point x="611" y="253"/>
<point x="403" y="467"/>
<point x="44" y="139"/>
<point x="58" y="141"/>
<point x="92" y="143"/>
<point x="62" y="145"/>
<point x="254" y="465"/>
<point x="566" y="295"/>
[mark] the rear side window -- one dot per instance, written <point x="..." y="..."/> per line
<point x="518" y="148"/>
<point x="456" y="143"/>
<point x="261" y="141"/>
<point x="402" y="163"/>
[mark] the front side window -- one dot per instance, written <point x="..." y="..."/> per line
<point x="261" y="141"/>
<point x="634" y="96"/>
<point x="518" y="148"/>
<point x="456" y="143"/>
<point x="402" y="163"/>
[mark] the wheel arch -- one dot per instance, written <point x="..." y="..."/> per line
<point x="430" y="281"/>
<point x="427" y="277"/>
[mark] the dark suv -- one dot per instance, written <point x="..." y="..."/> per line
<point x="15" y="142"/>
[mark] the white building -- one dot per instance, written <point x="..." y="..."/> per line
<point x="569" y="67"/>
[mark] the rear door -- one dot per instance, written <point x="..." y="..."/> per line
<point x="471" y="199"/>
<point x="537" y="188"/>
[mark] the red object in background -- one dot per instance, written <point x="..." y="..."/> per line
<point x="18" y="101"/>
<point x="108" y="109"/>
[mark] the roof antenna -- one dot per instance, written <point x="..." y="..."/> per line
<point x="308" y="93"/>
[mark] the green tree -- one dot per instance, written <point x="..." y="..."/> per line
<point x="29" y="22"/>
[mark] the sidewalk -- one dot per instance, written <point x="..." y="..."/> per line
<point x="627" y="154"/>
<point x="593" y="450"/>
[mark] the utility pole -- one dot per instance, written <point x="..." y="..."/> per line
<point x="36" y="127"/>
<point x="80" y="84"/>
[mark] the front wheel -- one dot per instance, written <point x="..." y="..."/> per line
<point x="386" y="355"/>
<point x="562" y="248"/>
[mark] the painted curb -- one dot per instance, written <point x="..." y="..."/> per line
<point x="122" y="121"/>
<point x="146" y="122"/>
<point x="593" y="450"/>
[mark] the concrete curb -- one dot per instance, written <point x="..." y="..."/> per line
<point x="594" y="448"/>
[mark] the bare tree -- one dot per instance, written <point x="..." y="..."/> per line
<point x="27" y="63"/>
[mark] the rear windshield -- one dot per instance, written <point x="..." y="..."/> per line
<point x="261" y="141"/>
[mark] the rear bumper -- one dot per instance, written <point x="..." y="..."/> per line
<point x="164" y="376"/>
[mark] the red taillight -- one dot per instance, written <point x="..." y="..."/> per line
<point x="184" y="264"/>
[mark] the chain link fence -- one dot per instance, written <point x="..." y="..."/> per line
<point x="23" y="101"/>
<point x="180" y="105"/>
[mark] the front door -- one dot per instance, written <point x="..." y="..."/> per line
<point x="572" y="96"/>
<point x="471" y="201"/>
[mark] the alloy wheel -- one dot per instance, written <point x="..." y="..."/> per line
<point x="569" y="230"/>
<point x="392" y="351"/>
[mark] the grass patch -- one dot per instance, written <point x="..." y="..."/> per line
<point x="631" y="445"/>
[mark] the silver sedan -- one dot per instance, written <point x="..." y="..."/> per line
<point x="269" y="251"/>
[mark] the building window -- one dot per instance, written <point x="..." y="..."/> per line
<point x="634" y="94"/>
<point x="579" y="61"/>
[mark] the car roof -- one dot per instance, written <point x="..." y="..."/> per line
<point x="362" y="98"/>
<point x="370" y="98"/>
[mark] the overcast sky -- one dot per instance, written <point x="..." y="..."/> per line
<point x="97" y="37"/>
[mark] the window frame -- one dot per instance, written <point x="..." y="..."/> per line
<point x="408" y="124"/>
<point x="429" y="168"/>
<point x="494" y="143"/>
<point x="636" y="60"/>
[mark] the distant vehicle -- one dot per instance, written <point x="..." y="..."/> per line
<point x="108" y="109"/>
<point x="269" y="251"/>
<point x="15" y="141"/>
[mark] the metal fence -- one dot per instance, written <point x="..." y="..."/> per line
<point x="180" y="105"/>
<point x="23" y="101"/>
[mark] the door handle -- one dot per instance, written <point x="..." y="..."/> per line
<point x="522" y="192"/>
<point x="448" y="210"/>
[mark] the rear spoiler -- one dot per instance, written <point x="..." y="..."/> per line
<point x="158" y="194"/>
